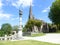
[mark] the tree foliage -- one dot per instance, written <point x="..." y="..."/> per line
<point x="15" y="28"/>
<point x="6" y="28"/>
<point x="32" y="23"/>
<point x="2" y="33"/>
<point x="54" y="13"/>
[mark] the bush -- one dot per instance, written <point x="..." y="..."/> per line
<point x="52" y="28"/>
<point x="24" y="29"/>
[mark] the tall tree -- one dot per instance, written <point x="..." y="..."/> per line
<point x="7" y="28"/>
<point x="54" y="13"/>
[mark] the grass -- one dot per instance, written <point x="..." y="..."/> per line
<point x="34" y="34"/>
<point x="37" y="34"/>
<point x="25" y="42"/>
<point x="58" y="31"/>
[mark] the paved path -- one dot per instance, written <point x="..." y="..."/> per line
<point x="51" y="38"/>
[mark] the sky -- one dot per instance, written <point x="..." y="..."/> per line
<point x="9" y="10"/>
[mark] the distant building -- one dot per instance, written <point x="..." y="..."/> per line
<point x="44" y="27"/>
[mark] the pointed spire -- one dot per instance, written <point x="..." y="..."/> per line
<point x="30" y="12"/>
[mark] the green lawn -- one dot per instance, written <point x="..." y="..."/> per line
<point x="58" y="31"/>
<point x="25" y="42"/>
<point x="38" y="34"/>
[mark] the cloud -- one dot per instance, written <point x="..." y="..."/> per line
<point x="1" y="4"/>
<point x="20" y="3"/>
<point x="5" y="16"/>
<point x="46" y="9"/>
<point x="15" y="18"/>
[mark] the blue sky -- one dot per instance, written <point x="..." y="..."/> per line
<point x="9" y="10"/>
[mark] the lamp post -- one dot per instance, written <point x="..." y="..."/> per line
<point x="20" y="24"/>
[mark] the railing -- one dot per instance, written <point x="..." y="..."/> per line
<point x="12" y="37"/>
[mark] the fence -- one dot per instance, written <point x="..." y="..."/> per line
<point x="26" y="33"/>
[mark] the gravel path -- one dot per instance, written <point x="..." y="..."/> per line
<point x="50" y="37"/>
